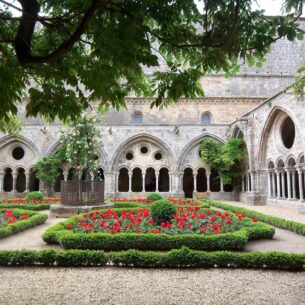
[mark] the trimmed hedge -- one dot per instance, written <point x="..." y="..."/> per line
<point x="125" y="241"/>
<point x="128" y="205"/>
<point x="183" y="257"/>
<point x="26" y="206"/>
<point x="35" y="219"/>
<point x="154" y="197"/>
<point x="282" y="223"/>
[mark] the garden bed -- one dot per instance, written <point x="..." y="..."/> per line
<point x="123" y="229"/>
<point x="16" y="220"/>
<point x="33" y="205"/>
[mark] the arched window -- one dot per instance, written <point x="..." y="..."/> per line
<point x="58" y="180"/>
<point x="138" y="118"/>
<point x="123" y="184"/>
<point x="206" y="119"/>
<point x="8" y="180"/>
<point x="20" y="183"/>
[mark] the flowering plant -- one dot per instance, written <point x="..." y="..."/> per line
<point x="187" y="220"/>
<point x="81" y="143"/>
<point x="7" y="217"/>
<point x="179" y="201"/>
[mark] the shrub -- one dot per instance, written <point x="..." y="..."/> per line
<point x="34" y="195"/>
<point x="154" y="197"/>
<point x="162" y="211"/>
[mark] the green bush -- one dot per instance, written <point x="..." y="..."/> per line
<point x="183" y="257"/>
<point x="26" y="206"/>
<point x="162" y="211"/>
<point x="34" y="195"/>
<point x="35" y="219"/>
<point x="282" y="223"/>
<point x="128" y="205"/>
<point x="154" y="196"/>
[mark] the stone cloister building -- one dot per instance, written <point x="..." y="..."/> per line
<point x="146" y="150"/>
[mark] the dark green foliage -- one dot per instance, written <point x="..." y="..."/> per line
<point x="162" y="210"/>
<point x="282" y="223"/>
<point x="128" y="205"/>
<point x="226" y="158"/>
<point x="35" y="219"/>
<point x="26" y="206"/>
<point x="34" y="195"/>
<point x="73" y="64"/>
<point x="154" y="196"/>
<point x="177" y="258"/>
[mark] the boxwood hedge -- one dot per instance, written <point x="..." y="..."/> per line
<point x="35" y="219"/>
<point x="26" y="206"/>
<point x="124" y="241"/>
<point x="183" y="257"/>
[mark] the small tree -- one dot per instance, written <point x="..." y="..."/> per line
<point x="47" y="171"/>
<point x="226" y="158"/>
<point x="81" y="143"/>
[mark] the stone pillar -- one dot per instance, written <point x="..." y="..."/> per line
<point x="27" y="181"/>
<point x="248" y="183"/>
<point x="1" y="181"/>
<point x="41" y="186"/>
<point x="278" y="184"/>
<point x="288" y="171"/>
<point x="14" y="181"/>
<point x="283" y="184"/>
<point x="294" y="187"/>
<point x="252" y="181"/>
<point x="221" y="185"/>
<point x="195" y="182"/>
<point x="143" y="182"/>
<point x="300" y="173"/>
<point x="157" y="182"/>
<point x="242" y="183"/>
<point x="274" y="184"/>
<point x="171" y="182"/>
<point x="269" y="184"/>
<point x="116" y="178"/>
<point x="129" y="181"/>
<point x="208" y="174"/>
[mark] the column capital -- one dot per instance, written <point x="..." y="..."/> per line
<point x="299" y="169"/>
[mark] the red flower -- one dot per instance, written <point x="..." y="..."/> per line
<point x="163" y="224"/>
<point x="254" y="219"/>
<point x="228" y="222"/>
<point x="151" y="221"/>
<point x="69" y="227"/>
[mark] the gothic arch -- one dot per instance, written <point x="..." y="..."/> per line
<point x="144" y="138"/>
<point x="183" y="163"/>
<point x="266" y="132"/>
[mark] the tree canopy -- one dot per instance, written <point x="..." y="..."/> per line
<point x="62" y="54"/>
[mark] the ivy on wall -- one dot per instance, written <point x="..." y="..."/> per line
<point x="228" y="159"/>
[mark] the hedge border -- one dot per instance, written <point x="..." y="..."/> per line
<point x="236" y="240"/>
<point x="279" y="222"/>
<point x="35" y="219"/>
<point x="182" y="258"/>
<point x="25" y="206"/>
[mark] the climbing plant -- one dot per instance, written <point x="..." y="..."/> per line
<point x="227" y="159"/>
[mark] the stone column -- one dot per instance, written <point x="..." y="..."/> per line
<point x="294" y="186"/>
<point x="27" y="181"/>
<point x="41" y="186"/>
<point x="221" y="185"/>
<point x="242" y="183"/>
<point x="157" y="182"/>
<point x="300" y="173"/>
<point x="129" y="181"/>
<point x="116" y="178"/>
<point x="248" y="183"/>
<point x="1" y="181"/>
<point x="252" y="181"/>
<point x="143" y="182"/>
<point x="283" y="184"/>
<point x="14" y="182"/>
<point x="208" y="174"/>
<point x="288" y="171"/>
<point x="278" y="184"/>
<point x="269" y="183"/>
<point x="195" y="182"/>
<point x="274" y="184"/>
<point x="171" y="177"/>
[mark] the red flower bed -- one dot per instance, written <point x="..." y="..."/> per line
<point x="188" y="220"/>
<point x="146" y="201"/>
<point x="7" y="216"/>
<point x="33" y="201"/>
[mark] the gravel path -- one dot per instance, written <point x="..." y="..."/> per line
<point x="31" y="238"/>
<point x="110" y="286"/>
